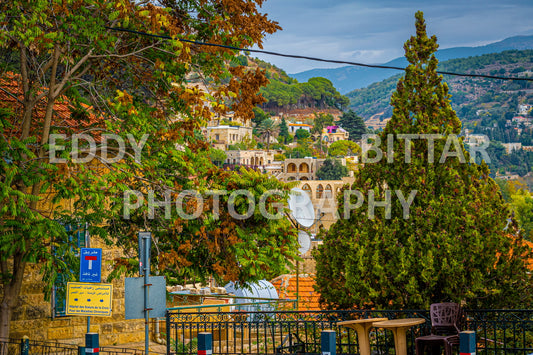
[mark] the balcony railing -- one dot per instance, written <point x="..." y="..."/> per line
<point x="274" y="332"/>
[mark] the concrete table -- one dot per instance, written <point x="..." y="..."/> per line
<point x="362" y="327"/>
<point x="399" y="328"/>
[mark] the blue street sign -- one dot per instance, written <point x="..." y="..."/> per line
<point x="90" y="265"/>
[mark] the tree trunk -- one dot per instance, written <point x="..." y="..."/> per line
<point x="6" y="310"/>
<point x="11" y="291"/>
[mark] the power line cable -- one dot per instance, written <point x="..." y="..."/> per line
<point x="377" y="66"/>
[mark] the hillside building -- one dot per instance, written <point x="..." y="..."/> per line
<point x="524" y="109"/>
<point x="323" y="195"/>
<point x="293" y="127"/>
<point x="250" y="158"/>
<point x="332" y="134"/>
<point x="476" y="139"/>
<point x="224" y="135"/>
<point x="302" y="169"/>
<point x="228" y="130"/>
<point x="510" y="147"/>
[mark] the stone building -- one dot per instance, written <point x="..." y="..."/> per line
<point x="255" y="157"/>
<point x="323" y="195"/>
<point x="302" y="168"/>
<point x="224" y="135"/>
<point x="228" y="130"/>
<point x="332" y="134"/>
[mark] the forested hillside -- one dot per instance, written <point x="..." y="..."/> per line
<point x="485" y="106"/>
<point x="284" y="92"/>
<point x="346" y="79"/>
<point x="468" y="94"/>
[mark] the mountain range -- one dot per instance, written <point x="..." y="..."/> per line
<point x="349" y="78"/>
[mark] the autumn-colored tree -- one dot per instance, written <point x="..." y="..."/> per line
<point x="105" y="69"/>
<point x="423" y="223"/>
<point x="233" y="231"/>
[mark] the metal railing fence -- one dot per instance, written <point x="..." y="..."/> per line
<point x="275" y="332"/>
<point x="34" y="347"/>
<point x="498" y="332"/>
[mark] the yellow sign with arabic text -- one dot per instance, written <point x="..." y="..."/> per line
<point x="89" y="299"/>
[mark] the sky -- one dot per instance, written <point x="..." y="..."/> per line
<point x="374" y="31"/>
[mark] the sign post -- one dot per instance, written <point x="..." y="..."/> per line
<point x="144" y="256"/>
<point x="90" y="265"/>
<point x="90" y="271"/>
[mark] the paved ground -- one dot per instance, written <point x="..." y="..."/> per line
<point x="154" y="347"/>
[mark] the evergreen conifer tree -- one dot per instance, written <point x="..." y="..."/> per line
<point x="450" y="239"/>
<point x="283" y="131"/>
<point x="354" y="124"/>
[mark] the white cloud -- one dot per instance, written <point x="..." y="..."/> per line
<point x="375" y="31"/>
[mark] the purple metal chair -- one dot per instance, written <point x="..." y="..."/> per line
<point x="444" y="329"/>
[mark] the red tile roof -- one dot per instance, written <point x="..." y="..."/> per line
<point x="12" y="96"/>
<point x="286" y="287"/>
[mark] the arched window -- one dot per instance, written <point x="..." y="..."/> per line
<point x="304" y="178"/>
<point x="328" y="191"/>
<point x="304" y="168"/>
<point x="319" y="191"/>
<point x="291" y="168"/>
<point x="307" y="189"/>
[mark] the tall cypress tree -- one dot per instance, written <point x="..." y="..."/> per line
<point x="453" y="243"/>
<point x="283" y="130"/>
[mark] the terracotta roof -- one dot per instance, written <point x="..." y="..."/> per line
<point x="286" y="287"/>
<point x="12" y="96"/>
<point x="300" y="124"/>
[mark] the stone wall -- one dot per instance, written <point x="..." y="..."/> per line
<point x="33" y="314"/>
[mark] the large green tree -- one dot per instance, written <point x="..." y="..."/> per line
<point x="422" y="224"/>
<point x="343" y="148"/>
<point x="332" y="169"/>
<point x="354" y="124"/>
<point x="84" y="66"/>
<point x="522" y="204"/>
<point x="520" y="201"/>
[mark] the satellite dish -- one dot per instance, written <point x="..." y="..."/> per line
<point x="305" y="242"/>
<point x="301" y="207"/>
